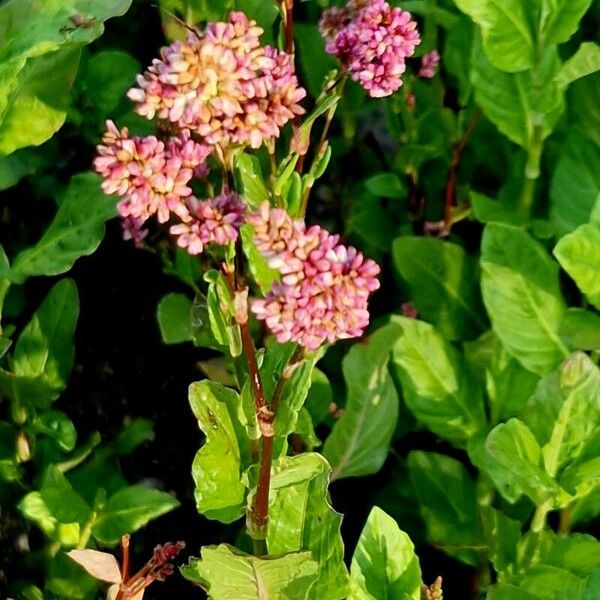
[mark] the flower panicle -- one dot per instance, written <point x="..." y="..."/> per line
<point x="372" y="41"/>
<point x="222" y="85"/>
<point x="325" y="285"/>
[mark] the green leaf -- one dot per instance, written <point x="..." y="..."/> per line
<point x="227" y="573"/>
<point x="515" y="103"/>
<point x="77" y="230"/>
<point x="575" y="184"/>
<point x="579" y="255"/>
<point x="437" y="385"/>
<point x="221" y="313"/>
<point x="560" y="19"/>
<point x="262" y="274"/>
<point x="66" y="579"/>
<point x="319" y="396"/>
<point x="564" y="411"/>
<point x="516" y="457"/>
<point x="36" y="105"/>
<point x="522" y="296"/>
<point x="359" y="442"/>
<point x="108" y="76"/>
<point x="384" y="564"/>
<point x="174" y="315"/>
<point x="502" y="534"/>
<point x="219" y="464"/>
<point x="585" y="61"/>
<point x="44" y="353"/>
<point x="301" y="518"/>
<point x="58" y="426"/>
<point x="506" y="26"/>
<point x="442" y="280"/>
<point x="315" y="63"/>
<point x="129" y="510"/>
<point x="448" y="503"/>
<point x="250" y="180"/>
<point x="386" y="185"/>
<point x="580" y="329"/>
<point x="64" y="504"/>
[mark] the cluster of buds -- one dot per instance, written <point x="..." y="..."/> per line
<point x="324" y="288"/>
<point x="222" y="85"/>
<point x="429" y="64"/>
<point x="372" y="41"/>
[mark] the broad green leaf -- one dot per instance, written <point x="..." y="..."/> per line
<point x="221" y="313"/>
<point x="9" y="468"/>
<point x="437" y="385"/>
<point x="67" y="580"/>
<point x="64" y="504"/>
<point x="227" y="573"/>
<point x="442" y="280"/>
<point x="108" y="76"/>
<point x="129" y="510"/>
<point x="250" y="179"/>
<point x="516" y="457"/>
<point x="77" y="230"/>
<point x="515" y="103"/>
<point x="301" y="518"/>
<point x="384" y="564"/>
<point x="580" y="329"/>
<point x="522" y="296"/>
<point x="359" y="442"/>
<point x="458" y="56"/>
<point x="219" y="464"/>
<point x="39" y="53"/>
<point x="564" y="411"/>
<point x="262" y="274"/>
<point x="579" y="255"/>
<point x="36" y="105"/>
<point x="502" y="534"/>
<point x="448" y="503"/>
<point x="386" y="185"/>
<point x="575" y="184"/>
<point x="174" y="316"/>
<point x="585" y="61"/>
<point x="560" y="19"/>
<point x="44" y="353"/>
<point x="506" y="26"/>
<point x="320" y="395"/>
<point x="491" y="210"/>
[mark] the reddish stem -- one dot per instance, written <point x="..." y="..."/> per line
<point x="287" y="6"/>
<point x="457" y="151"/>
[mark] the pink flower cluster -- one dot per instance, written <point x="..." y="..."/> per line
<point x="213" y="221"/>
<point x="222" y="85"/>
<point x="151" y="176"/>
<point x="429" y="64"/>
<point x="324" y="288"/>
<point x="372" y="40"/>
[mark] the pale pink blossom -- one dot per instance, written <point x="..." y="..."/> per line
<point x="222" y="85"/>
<point x="151" y="178"/>
<point x="324" y="289"/>
<point x="429" y="64"/>
<point x="372" y="40"/>
<point x="213" y="221"/>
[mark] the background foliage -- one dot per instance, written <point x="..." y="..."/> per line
<point x="479" y="193"/>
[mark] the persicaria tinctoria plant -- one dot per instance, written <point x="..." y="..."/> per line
<point x="223" y="104"/>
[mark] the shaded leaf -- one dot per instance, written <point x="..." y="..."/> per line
<point x="442" y="281"/>
<point x="358" y="443"/>
<point x="174" y="316"/>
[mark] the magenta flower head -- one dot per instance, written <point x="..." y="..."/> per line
<point x="213" y="221"/>
<point x="222" y="85"/>
<point x="324" y="288"/>
<point x="372" y="41"/>
<point x="429" y="64"/>
<point x="151" y="177"/>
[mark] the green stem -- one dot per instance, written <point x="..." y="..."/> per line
<point x="539" y="517"/>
